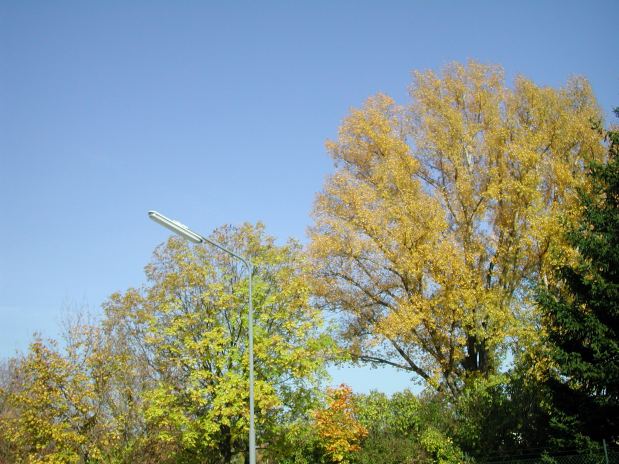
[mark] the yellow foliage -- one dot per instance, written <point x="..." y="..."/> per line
<point x="441" y="213"/>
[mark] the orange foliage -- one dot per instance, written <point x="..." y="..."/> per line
<point x="338" y="428"/>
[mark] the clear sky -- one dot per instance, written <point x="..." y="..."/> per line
<point x="217" y="112"/>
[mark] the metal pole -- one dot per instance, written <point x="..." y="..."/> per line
<point x="250" y="317"/>
<point x="605" y="451"/>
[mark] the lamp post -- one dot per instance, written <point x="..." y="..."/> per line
<point x="194" y="237"/>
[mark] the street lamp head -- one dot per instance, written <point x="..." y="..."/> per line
<point x="176" y="227"/>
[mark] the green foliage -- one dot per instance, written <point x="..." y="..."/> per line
<point x="581" y="314"/>
<point x="191" y="321"/>
<point x="405" y="428"/>
<point x="502" y="414"/>
<point x="441" y="448"/>
<point x="296" y="443"/>
<point x="496" y="415"/>
<point x="398" y="413"/>
<point x="392" y="423"/>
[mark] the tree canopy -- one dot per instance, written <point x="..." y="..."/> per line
<point x="164" y="376"/>
<point x="437" y="221"/>
<point x="191" y="321"/>
<point x="478" y="219"/>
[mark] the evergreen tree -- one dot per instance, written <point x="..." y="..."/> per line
<point x="581" y="315"/>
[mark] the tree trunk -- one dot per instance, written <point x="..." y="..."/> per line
<point x="225" y="445"/>
<point x="477" y="357"/>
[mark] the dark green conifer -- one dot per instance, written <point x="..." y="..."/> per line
<point x="581" y="315"/>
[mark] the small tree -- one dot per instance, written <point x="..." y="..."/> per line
<point x="338" y="427"/>
<point x="62" y="405"/>
<point x="48" y="421"/>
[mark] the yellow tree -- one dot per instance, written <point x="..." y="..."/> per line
<point x="51" y="418"/>
<point x="104" y="376"/>
<point x="68" y="405"/>
<point x="440" y="214"/>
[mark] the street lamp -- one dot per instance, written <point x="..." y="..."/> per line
<point x="186" y="232"/>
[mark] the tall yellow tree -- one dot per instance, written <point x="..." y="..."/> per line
<point x="440" y="214"/>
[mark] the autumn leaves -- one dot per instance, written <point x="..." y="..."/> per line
<point x="441" y="213"/>
<point x="427" y="241"/>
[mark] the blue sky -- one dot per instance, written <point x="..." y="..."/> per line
<point x="217" y="112"/>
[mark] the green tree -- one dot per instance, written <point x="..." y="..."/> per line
<point x="190" y="324"/>
<point x="393" y="425"/>
<point x="440" y="214"/>
<point x="405" y="428"/>
<point x="502" y="415"/>
<point x="581" y="313"/>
